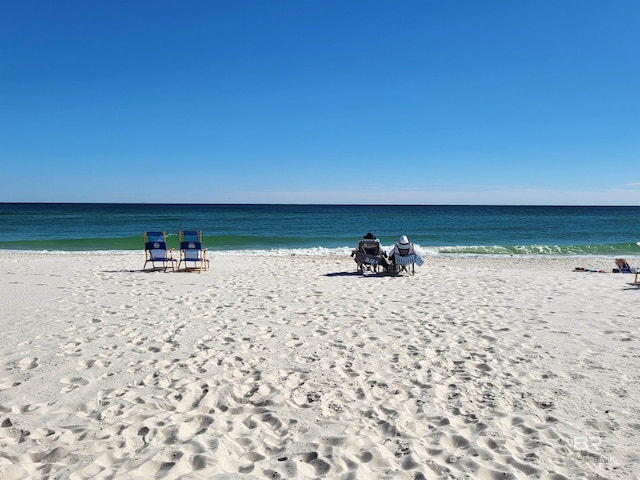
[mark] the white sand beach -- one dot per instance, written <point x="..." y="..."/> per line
<point x="297" y="367"/>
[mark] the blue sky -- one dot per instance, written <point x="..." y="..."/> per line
<point x="310" y="101"/>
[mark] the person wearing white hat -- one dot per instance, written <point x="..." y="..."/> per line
<point x="404" y="248"/>
<point x="403" y="240"/>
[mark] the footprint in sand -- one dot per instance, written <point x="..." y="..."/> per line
<point x="28" y="363"/>
<point x="71" y="384"/>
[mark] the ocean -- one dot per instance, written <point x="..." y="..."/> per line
<point x="326" y="229"/>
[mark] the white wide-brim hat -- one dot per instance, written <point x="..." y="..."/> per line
<point x="404" y="240"/>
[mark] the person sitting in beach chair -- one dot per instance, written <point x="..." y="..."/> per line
<point x="369" y="254"/>
<point x="403" y="255"/>
<point x="624" y="267"/>
<point x="156" y="251"/>
<point x="191" y="251"/>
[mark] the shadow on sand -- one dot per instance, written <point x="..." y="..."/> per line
<point x="361" y="274"/>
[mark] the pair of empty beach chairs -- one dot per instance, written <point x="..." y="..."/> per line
<point x="160" y="257"/>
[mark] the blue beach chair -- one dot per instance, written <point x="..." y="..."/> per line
<point x="191" y="251"/>
<point x="156" y="251"/>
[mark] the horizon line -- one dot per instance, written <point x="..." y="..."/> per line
<point x="324" y="204"/>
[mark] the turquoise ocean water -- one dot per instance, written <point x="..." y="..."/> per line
<point x="326" y="229"/>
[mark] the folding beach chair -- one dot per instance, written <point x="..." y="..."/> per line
<point x="404" y="256"/>
<point x="369" y="255"/>
<point x="624" y="267"/>
<point x="191" y="251"/>
<point x="155" y="247"/>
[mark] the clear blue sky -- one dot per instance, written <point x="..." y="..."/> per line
<point x="321" y="101"/>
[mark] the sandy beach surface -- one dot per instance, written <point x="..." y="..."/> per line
<point x="298" y="367"/>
